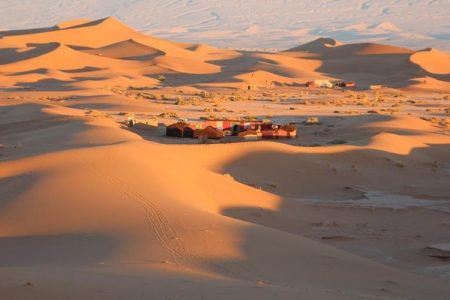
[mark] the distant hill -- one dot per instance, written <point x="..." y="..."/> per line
<point x="92" y="54"/>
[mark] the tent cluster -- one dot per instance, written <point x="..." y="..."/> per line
<point x="217" y="129"/>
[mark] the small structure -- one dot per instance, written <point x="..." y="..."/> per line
<point x="320" y="83"/>
<point x="179" y="129"/>
<point x="250" y="135"/>
<point x="131" y="121"/>
<point x="277" y="131"/>
<point x="233" y="127"/>
<point x="208" y="132"/>
<point x="346" y="84"/>
<point x="287" y="131"/>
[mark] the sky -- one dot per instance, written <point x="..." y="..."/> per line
<point x="253" y="24"/>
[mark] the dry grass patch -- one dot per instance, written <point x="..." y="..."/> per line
<point x="194" y="101"/>
<point x="312" y="121"/>
<point x="168" y="115"/>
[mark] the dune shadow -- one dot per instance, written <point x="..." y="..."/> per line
<point x="12" y="187"/>
<point x="48" y="84"/>
<point x="144" y="57"/>
<point x="304" y="182"/>
<point x="27" y="31"/>
<point x="305" y="174"/>
<point x="80" y="78"/>
<point x="83" y="70"/>
<point x="35" y="71"/>
<point x="11" y="55"/>
<point x="69" y="249"/>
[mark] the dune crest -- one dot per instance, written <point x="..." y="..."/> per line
<point x="433" y="61"/>
<point x="72" y="23"/>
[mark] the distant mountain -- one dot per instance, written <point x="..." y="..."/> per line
<point x="275" y="24"/>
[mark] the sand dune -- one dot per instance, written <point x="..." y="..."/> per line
<point x="90" y="208"/>
<point x="108" y="43"/>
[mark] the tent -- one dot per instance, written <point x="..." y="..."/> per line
<point x="176" y="130"/>
<point x="209" y="132"/>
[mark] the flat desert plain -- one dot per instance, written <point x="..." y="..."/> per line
<point x="356" y="207"/>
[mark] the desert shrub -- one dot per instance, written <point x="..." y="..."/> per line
<point x="235" y="96"/>
<point x="204" y="94"/>
<point x="377" y="97"/>
<point x="249" y="118"/>
<point x="351" y="94"/>
<point x="397" y="95"/>
<point x="312" y="121"/>
<point x="337" y="142"/>
<point x="209" y="117"/>
<point x="97" y="114"/>
<point x="393" y="110"/>
<point x="187" y="101"/>
<point x="148" y="96"/>
<point x="168" y="114"/>
<point x="351" y="112"/>
<point x="140" y="87"/>
<point x="214" y="109"/>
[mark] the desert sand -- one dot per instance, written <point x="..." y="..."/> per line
<point x="92" y="209"/>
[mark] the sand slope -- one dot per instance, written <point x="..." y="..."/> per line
<point x="432" y="60"/>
